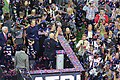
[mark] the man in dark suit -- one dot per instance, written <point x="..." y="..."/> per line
<point x="3" y="40"/>
<point x="50" y="51"/>
<point x="32" y="33"/>
<point x="3" y="36"/>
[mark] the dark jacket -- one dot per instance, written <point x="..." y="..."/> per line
<point x="2" y="39"/>
<point x="32" y="32"/>
<point x="50" y="48"/>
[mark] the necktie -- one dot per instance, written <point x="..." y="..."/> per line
<point x="5" y="36"/>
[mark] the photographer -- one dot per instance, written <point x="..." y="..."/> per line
<point x="101" y="16"/>
<point x="107" y="74"/>
<point x="82" y="46"/>
<point x="53" y="9"/>
<point x="90" y="9"/>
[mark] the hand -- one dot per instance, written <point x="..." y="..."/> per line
<point x="59" y="30"/>
<point x="114" y="73"/>
<point x="44" y="58"/>
<point x="0" y="48"/>
<point x="46" y="34"/>
<point x="69" y="40"/>
<point x="34" y="56"/>
<point x="9" y="34"/>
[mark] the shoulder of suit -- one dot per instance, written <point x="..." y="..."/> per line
<point x="17" y="52"/>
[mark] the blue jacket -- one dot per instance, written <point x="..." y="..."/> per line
<point x="2" y="39"/>
<point x="32" y="32"/>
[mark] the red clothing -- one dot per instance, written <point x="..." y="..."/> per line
<point x="98" y="16"/>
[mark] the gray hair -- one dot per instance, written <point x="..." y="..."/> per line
<point x="4" y="28"/>
<point x="89" y="24"/>
<point x="58" y="23"/>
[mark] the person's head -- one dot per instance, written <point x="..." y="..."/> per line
<point x="6" y="16"/>
<point x="51" y="35"/>
<point x="23" y="47"/>
<point x="67" y="30"/>
<point x="91" y="4"/>
<point x="117" y="55"/>
<point x="98" y="40"/>
<point x="106" y="24"/>
<point x="98" y="30"/>
<point x="5" y="29"/>
<point x="59" y="30"/>
<point x="53" y="7"/>
<point x="58" y="24"/>
<point x="21" y="14"/>
<point x="116" y="23"/>
<point x="89" y="27"/>
<point x="8" y="42"/>
<point x="117" y="11"/>
<point x="107" y="66"/>
<point x="53" y="27"/>
<point x="41" y="1"/>
<point x="26" y="3"/>
<point x="44" y="16"/>
<point x="69" y="11"/>
<point x="102" y="12"/>
<point x="33" y="12"/>
<point x="33" y="23"/>
<point x="105" y="34"/>
<point x="84" y="37"/>
<point x="96" y="54"/>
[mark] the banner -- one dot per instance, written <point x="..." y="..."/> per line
<point x="58" y="76"/>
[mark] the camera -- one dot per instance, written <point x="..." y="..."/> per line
<point x="114" y="67"/>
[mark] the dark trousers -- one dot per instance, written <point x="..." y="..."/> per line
<point x="89" y="21"/>
<point x="50" y="64"/>
<point x="36" y="48"/>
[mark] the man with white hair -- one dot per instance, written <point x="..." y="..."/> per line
<point x="50" y="51"/>
<point x="3" y="36"/>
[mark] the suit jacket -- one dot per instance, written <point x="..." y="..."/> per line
<point x="50" y="48"/>
<point x="86" y="32"/>
<point x="21" y="60"/>
<point x="2" y="39"/>
<point x="32" y="32"/>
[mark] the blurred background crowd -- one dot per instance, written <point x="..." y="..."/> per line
<point x="91" y="27"/>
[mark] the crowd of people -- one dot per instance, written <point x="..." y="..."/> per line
<point x="29" y="35"/>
